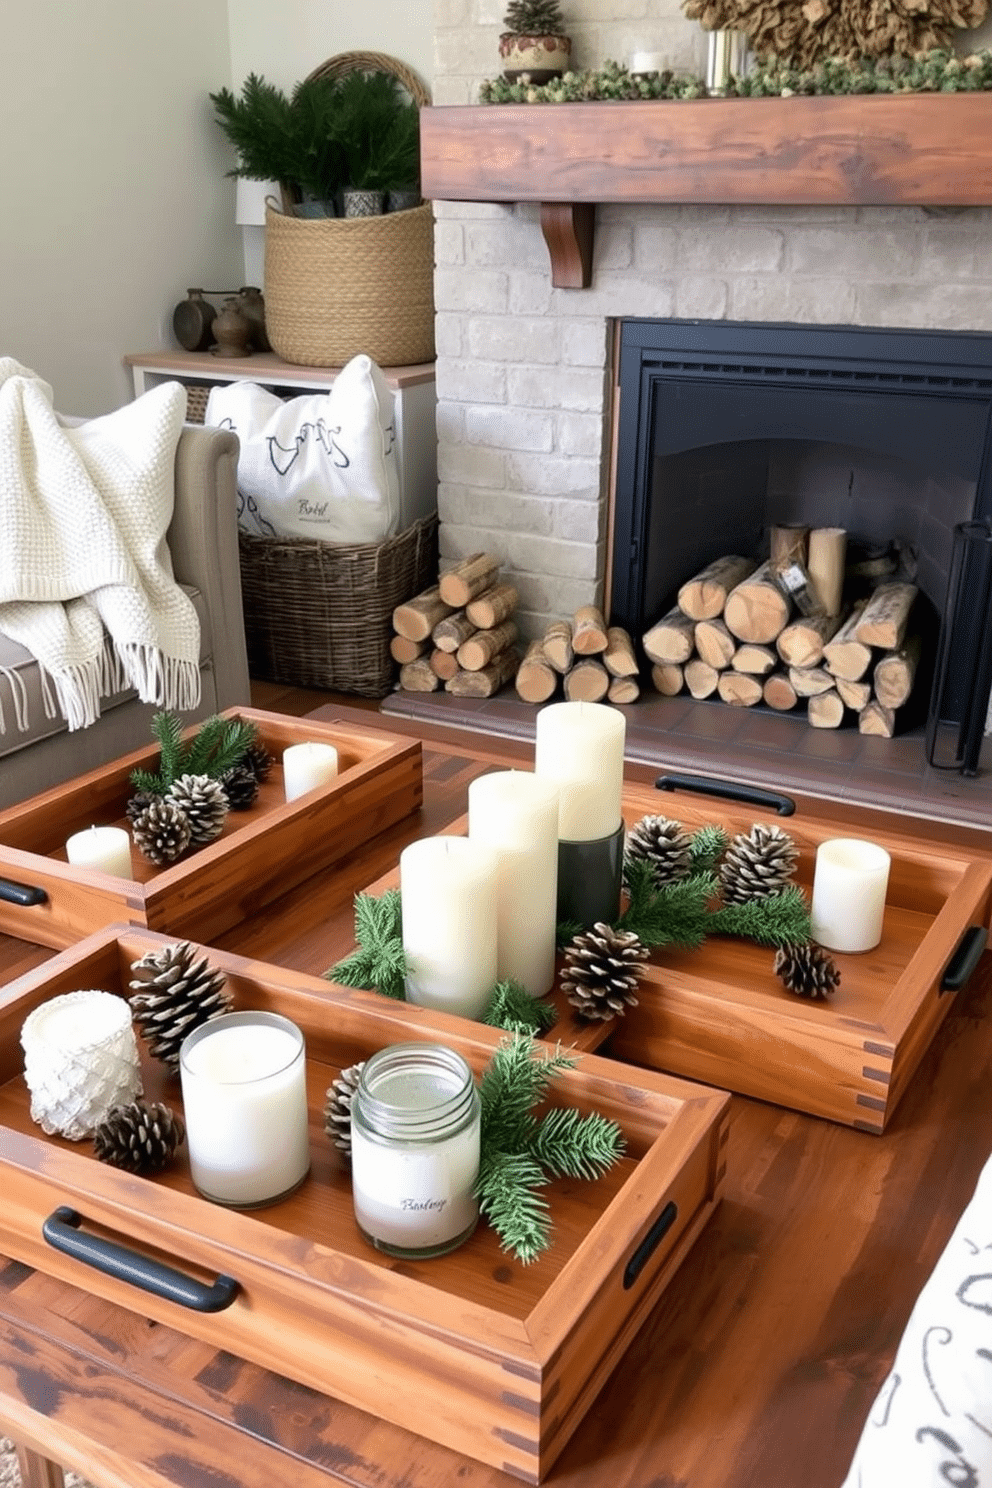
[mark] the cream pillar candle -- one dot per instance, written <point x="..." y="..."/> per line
<point x="579" y="748"/>
<point x="307" y="766"/>
<point x="80" y="1058"/>
<point x="646" y="62"/>
<point x="849" y="886"/>
<point x="449" y="898"/>
<point x="245" y="1104"/>
<point x="105" y="848"/>
<point x="516" y="814"/>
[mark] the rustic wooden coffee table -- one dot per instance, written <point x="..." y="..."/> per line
<point x="757" y="1367"/>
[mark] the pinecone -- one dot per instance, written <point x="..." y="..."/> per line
<point x="258" y="759"/>
<point x="161" y="830"/>
<point x="337" y="1111"/>
<point x="534" y="18"/>
<point x="662" y="843"/>
<point x="602" y="969"/>
<point x="240" y="786"/>
<point x="137" y="803"/>
<point x="807" y="970"/>
<point x="137" y="1137"/>
<point x="173" y="993"/>
<point x="758" y="863"/>
<point x="205" y="804"/>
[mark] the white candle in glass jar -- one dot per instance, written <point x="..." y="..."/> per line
<point x="849" y="887"/>
<point x="450" y="909"/>
<point x="307" y="766"/>
<point x="245" y="1104"/>
<point x="80" y="1058"/>
<point x="516" y="815"/>
<point x="415" y="1144"/>
<point x="579" y="747"/>
<point x="105" y="848"/>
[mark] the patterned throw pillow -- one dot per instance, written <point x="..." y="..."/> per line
<point x="322" y="465"/>
<point x="931" y="1423"/>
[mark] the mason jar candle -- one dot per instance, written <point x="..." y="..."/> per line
<point x="415" y="1150"/>
<point x="245" y="1104"/>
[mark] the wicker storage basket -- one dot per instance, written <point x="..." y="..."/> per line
<point x="319" y="614"/>
<point x="339" y="286"/>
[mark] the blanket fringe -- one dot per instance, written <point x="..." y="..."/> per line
<point x="164" y="680"/>
<point x="19" y="697"/>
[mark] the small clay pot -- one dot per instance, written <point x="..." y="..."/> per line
<point x="541" y="58"/>
<point x="192" y="321"/>
<point x="232" y="331"/>
<point x="251" y="303"/>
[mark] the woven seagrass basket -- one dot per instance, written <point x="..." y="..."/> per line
<point x="336" y="287"/>
<point x="319" y="614"/>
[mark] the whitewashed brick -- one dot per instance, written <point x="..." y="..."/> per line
<point x="759" y="298"/>
<point x="701" y="299"/>
<point x="450" y="423"/>
<point x="481" y="509"/>
<point x="571" y="388"/>
<point x="506" y="244"/>
<point x="860" y="254"/>
<point x="579" y="521"/>
<point x="580" y="434"/>
<point x="470" y="289"/>
<point x="947" y="307"/>
<point x="452" y="13"/>
<point x="460" y="211"/>
<point x="530" y="293"/>
<point x="584" y="343"/>
<point x="555" y="597"/>
<point x="542" y="555"/>
<point x="449" y="243"/>
<point x="510" y="429"/>
<point x="521" y="339"/>
<point x="448" y="335"/>
<point x="614" y="248"/>
<point x="620" y="293"/>
<point x="655" y="248"/>
<point x="471" y="381"/>
<point x="553" y="475"/>
<point x="471" y="465"/>
<point x="741" y="249"/>
<point x="951" y="252"/>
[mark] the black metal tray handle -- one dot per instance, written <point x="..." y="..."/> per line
<point x="749" y="794"/>
<point x="967" y="954"/>
<point x="18" y="893"/>
<point x="650" y="1244"/>
<point x="61" y="1230"/>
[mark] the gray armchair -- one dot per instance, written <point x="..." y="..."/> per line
<point x="203" y="541"/>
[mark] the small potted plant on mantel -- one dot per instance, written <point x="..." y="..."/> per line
<point x="534" y="42"/>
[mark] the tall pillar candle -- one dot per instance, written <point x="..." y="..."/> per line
<point x="579" y="748"/>
<point x="516" y="814"/>
<point x="448" y="890"/>
<point x="850" y="881"/>
<point x="245" y="1103"/>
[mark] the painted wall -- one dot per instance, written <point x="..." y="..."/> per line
<point x="112" y="192"/>
<point x="285" y="39"/>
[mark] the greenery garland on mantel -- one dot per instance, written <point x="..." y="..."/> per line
<point x="933" y="72"/>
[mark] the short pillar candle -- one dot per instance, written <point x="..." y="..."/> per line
<point x="849" y="887"/>
<point x="448" y="894"/>
<point x="307" y="766"/>
<point x="516" y="814"/>
<point x="80" y="1059"/>
<point x="105" y="848"/>
<point x="245" y="1104"/>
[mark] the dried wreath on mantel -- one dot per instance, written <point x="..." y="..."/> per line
<point x="937" y="71"/>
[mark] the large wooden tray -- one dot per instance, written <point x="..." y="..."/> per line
<point x="261" y="854"/>
<point x="720" y="1014"/>
<point x="494" y="1359"/>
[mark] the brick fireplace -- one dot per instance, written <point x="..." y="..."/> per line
<point x="525" y="378"/>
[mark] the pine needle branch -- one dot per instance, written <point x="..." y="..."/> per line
<point x="777" y="920"/>
<point x="379" y="962"/>
<point x="512" y="1007"/>
<point x="570" y="1145"/>
<point x="674" y="914"/>
<point x="507" y="1190"/>
<point x="708" y="846"/>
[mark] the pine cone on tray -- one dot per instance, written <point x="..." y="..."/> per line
<point x="337" y="1111"/>
<point x="757" y="863"/>
<point x="171" y="994"/>
<point x="602" y="969"/>
<point x="205" y="805"/>
<point x="664" y="844"/>
<point x="139" y="1138"/>
<point x="161" y="831"/>
<point x="240" y="786"/>
<point x="807" y="970"/>
<point x="258" y="759"/>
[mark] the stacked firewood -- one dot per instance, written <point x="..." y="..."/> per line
<point x="460" y="633"/>
<point x="593" y="661"/>
<point x="780" y="633"/>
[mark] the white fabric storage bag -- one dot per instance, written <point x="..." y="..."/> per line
<point x="322" y="465"/>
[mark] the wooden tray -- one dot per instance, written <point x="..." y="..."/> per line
<point x="494" y="1359"/>
<point x="720" y="1014"/>
<point x="261" y="854"/>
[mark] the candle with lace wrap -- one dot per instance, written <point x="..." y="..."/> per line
<point x="448" y="894"/>
<point x="516" y="815"/>
<point x="80" y="1059"/>
<point x="579" y="748"/>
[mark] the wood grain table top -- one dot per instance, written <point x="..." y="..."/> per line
<point x="756" y="1369"/>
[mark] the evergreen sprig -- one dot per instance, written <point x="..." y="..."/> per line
<point x="777" y="920"/>
<point x="672" y="914"/>
<point x="708" y="846"/>
<point x="520" y="1153"/>
<point x="513" y="1008"/>
<point x="214" y="749"/>
<point x="379" y="963"/>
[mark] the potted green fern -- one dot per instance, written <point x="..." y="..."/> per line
<point x="534" y="42"/>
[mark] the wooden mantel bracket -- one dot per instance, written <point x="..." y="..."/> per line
<point x="569" y="230"/>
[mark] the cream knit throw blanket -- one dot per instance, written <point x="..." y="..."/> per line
<point x="86" y="582"/>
